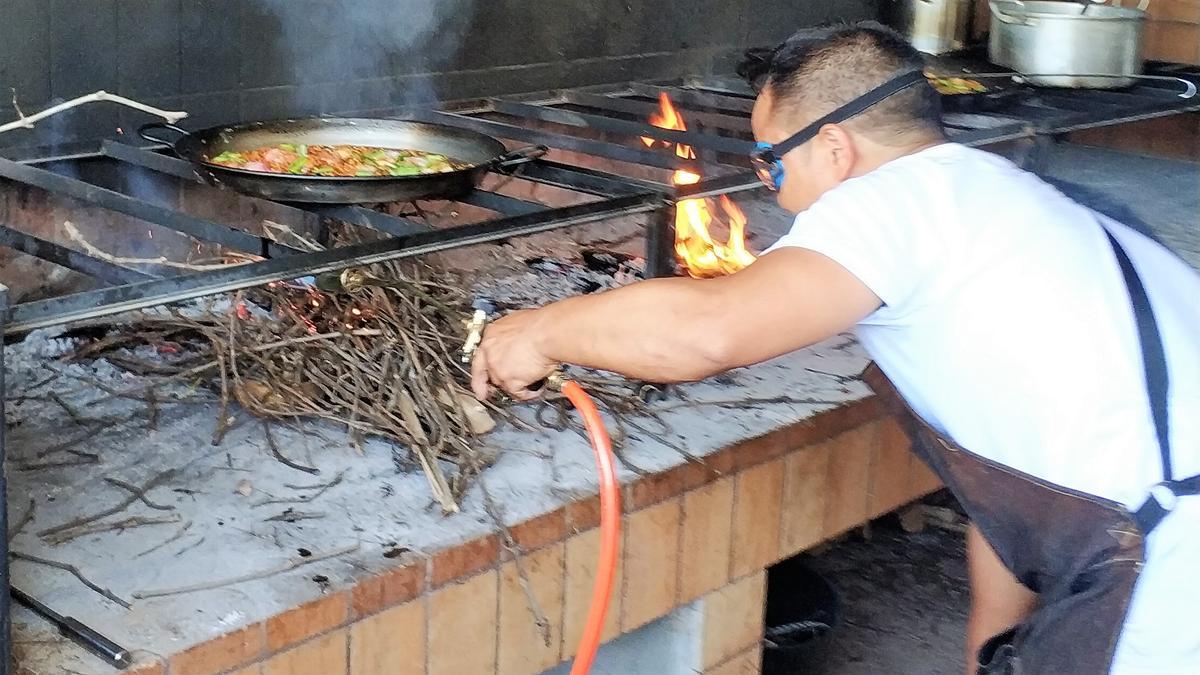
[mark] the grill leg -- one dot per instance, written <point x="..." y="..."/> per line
<point x="5" y="580"/>
<point x="660" y="243"/>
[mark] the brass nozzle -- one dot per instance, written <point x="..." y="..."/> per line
<point x="555" y="380"/>
<point x="347" y="281"/>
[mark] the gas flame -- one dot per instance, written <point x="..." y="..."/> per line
<point x="697" y="251"/>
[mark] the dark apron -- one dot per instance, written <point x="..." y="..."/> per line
<point x="1082" y="554"/>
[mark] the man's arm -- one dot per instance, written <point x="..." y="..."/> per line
<point x="673" y="330"/>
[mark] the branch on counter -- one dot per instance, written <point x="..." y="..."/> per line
<point x="137" y="492"/>
<point x="750" y="402"/>
<point x="510" y="545"/>
<point x="173" y="538"/>
<point x="118" y="526"/>
<point x="290" y="515"/>
<point x="279" y="455"/>
<point x="252" y="576"/>
<point x="124" y="504"/>
<point x="305" y="499"/>
<point x="66" y="567"/>
<point x="24" y="121"/>
<point x="22" y="521"/>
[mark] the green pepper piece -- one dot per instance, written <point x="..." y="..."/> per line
<point x="404" y="170"/>
<point x="302" y="150"/>
<point x="287" y="146"/>
<point x="229" y="156"/>
<point x="298" y="165"/>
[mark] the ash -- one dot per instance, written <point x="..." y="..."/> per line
<point x="549" y="279"/>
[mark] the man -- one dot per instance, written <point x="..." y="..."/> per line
<point x="1002" y="312"/>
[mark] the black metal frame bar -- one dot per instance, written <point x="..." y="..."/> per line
<point x="733" y="146"/>
<point x="62" y="256"/>
<point x="204" y="230"/>
<point x="140" y="295"/>
<point x="5" y="572"/>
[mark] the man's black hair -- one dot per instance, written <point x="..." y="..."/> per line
<point x="817" y="70"/>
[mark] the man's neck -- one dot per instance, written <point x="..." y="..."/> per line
<point x="874" y="155"/>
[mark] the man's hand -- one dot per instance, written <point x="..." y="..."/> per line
<point x="677" y="329"/>
<point x="508" y="357"/>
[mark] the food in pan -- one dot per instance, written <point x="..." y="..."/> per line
<point x="337" y="160"/>
<point x="951" y="86"/>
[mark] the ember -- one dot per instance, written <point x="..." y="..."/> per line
<point x="695" y="247"/>
<point x="376" y="357"/>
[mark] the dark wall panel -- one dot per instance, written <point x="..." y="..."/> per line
<point x="229" y="60"/>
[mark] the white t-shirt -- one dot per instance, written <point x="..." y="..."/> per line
<point x="1006" y="324"/>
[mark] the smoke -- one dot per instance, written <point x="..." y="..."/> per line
<point x="368" y="53"/>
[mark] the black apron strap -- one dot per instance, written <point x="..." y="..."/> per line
<point x="1154" y="363"/>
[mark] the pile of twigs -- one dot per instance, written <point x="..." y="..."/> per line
<point x="375" y="351"/>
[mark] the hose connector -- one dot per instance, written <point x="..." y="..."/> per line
<point x="555" y="380"/>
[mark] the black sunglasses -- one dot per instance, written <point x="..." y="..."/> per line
<point x="767" y="158"/>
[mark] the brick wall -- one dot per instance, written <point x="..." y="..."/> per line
<point x="1173" y="32"/>
<point x="224" y="60"/>
<point x="696" y="537"/>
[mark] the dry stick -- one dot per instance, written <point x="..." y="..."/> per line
<point x="510" y="545"/>
<point x="73" y="570"/>
<point x="27" y="121"/>
<point x="139" y="493"/>
<point x="75" y="417"/>
<point x="118" y="525"/>
<point x="173" y="538"/>
<point x="279" y="455"/>
<point x="748" y="402"/>
<point x="76" y="236"/>
<point x="290" y="516"/>
<point x="83" y="520"/>
<point x="185" y="549"/>
<point x="306" y="498"/>
<point x="223" y="410"/>
<point x="84" y="458"/>
<point x="152" y="422"/>
<point x="22" y="521"/>
<point x="270" y="572"/>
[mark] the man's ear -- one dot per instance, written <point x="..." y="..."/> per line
<point x="842" y="153"/>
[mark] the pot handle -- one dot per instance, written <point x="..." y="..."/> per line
<point x="144" y="130"/>
<point x="1004" y="16"/>
<point x="1142" y="4"/>
<point x="511" y="160"/>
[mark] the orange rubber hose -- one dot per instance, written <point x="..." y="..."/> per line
<point x="610" y="527"/>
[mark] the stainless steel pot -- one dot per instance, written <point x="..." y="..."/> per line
<point x="1068" y="44"/>
<point x="931" y="26"/>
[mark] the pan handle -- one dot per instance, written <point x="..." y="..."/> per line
<point x="145" y="128"/>
<point x="511" y="160"/>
